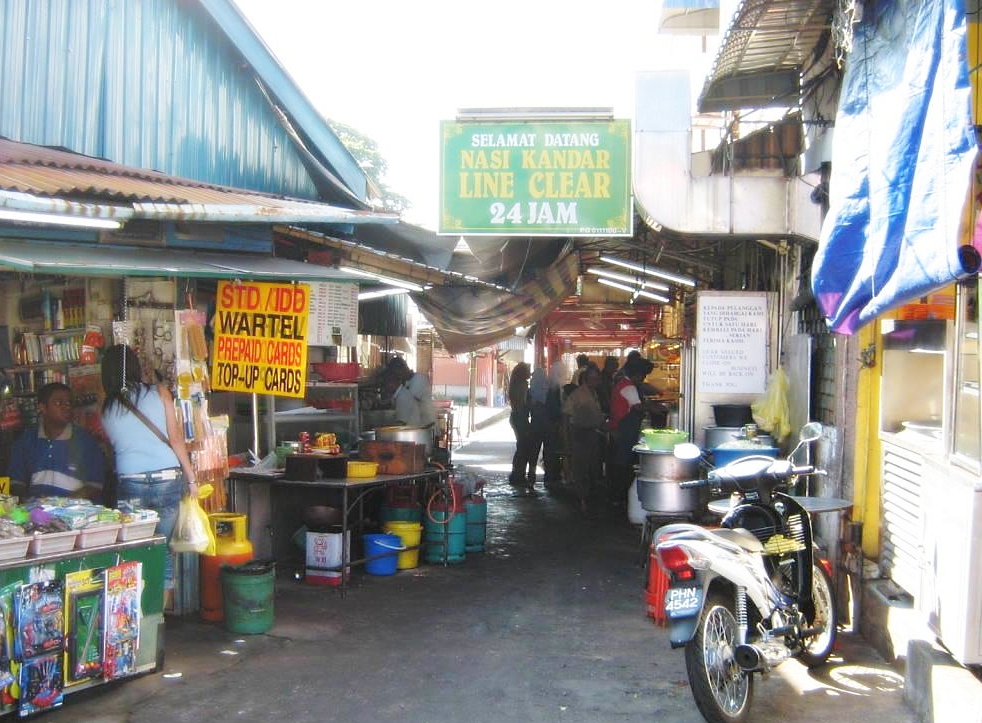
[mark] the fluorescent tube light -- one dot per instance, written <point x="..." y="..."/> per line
<point x="379" y="293"/>
<point x="628" y="279"/>
<point x="54" y="219"/>
<point x="650" y="270"/>
<point x="633" y="291"/>
<point x="408" y="285"/>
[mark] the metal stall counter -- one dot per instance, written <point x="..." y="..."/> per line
<point x="273" y="499"/>
<point x="110" y="597"/>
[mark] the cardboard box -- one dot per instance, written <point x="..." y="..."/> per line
<point x="310" y="467"/>
<point x="394" y="457"/>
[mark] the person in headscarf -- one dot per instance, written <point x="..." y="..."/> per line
<point x="587" y="436"/>
<point x="518" y="399"/>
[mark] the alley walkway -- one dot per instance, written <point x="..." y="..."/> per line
<point x="547" y="625"/>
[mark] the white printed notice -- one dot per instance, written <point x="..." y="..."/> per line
<point x="333" y="319"/>
<point x="731" y="348"/>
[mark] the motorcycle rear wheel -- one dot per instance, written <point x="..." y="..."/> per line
<point x="722" y="690"/>
<point x="819" y="647"/>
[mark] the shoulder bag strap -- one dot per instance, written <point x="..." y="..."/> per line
<point x="143" y="418"/>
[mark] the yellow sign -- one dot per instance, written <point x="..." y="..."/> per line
<point x="4" y="485"/>
<point x="261" y="338"/>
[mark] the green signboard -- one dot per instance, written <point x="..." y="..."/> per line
<point x="536" y="178"/>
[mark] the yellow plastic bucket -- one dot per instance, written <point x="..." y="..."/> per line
<point x="409" y="533"/>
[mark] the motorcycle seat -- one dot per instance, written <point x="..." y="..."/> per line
<point x="741" y="537"/>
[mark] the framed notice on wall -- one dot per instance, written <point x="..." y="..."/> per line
<point x="731" y="349"/>
<point x="333" y="319"/>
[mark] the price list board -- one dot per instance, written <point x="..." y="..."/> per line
<point x="333" y="319"/>
<point x="731" y="350"/>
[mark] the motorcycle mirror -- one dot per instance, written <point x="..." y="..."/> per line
<point x="687" y="451"/>
<point x="810" y="432"/>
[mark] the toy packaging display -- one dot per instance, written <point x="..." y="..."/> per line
<point x="84" y="630"/>
<point x="122" y="619"/>
<point x="39" y="612"/>
<point x="39" y="644"/>
<point x="10" y="690"/>
<point x="41" y="684"/>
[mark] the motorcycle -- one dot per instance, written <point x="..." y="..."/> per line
<point x="745" y="597"/>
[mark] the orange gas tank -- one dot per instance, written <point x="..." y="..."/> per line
<point x="232" y="547"/>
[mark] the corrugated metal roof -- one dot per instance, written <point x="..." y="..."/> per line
<point x="761" y="58"/>
<point x="38" y="257"/>
<point x="65" y="178"/>
<point x="181" y="86"/>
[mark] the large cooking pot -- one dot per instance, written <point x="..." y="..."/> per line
<point x="665" y="497"/>
<point x="659" y="474"/>
<point x="418" y="435"/>
<point x="654" y="464"/>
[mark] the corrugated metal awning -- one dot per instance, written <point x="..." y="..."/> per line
<point x="761" y="58"/>
<point x="51" y="180"/>
<point x="100" y="260"/>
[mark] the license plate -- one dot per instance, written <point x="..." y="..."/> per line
<point x="683" y="602"/>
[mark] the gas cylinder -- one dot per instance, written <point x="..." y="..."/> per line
<point x="232" y="547"/>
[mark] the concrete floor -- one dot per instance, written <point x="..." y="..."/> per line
<point x="548" y="624"/>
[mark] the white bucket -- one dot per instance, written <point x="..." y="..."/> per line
<point x="636" y="514"/>
<point x="324" y="550"/>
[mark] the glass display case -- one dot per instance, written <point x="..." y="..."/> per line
<point x="967" y="412"/>
<point x="914" y="402"/>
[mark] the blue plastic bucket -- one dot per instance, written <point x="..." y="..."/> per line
<point x="476" y="512"/>
<point x="381" y="553"/>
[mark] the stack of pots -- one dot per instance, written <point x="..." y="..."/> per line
<point x="659" y="474"/>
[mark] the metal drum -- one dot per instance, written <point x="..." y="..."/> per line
<point x="718" y="436"/>
<point x="659" y="474"/>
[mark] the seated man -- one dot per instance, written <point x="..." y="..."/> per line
<point x="56" y="457"/>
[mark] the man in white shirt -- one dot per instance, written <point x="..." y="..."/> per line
<point x="413" y="396"/>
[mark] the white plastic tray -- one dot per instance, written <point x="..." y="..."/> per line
<point x="49" y="543"/>
<point x="14" y="548"/>
<point x="136" y="530"/>
<point x="96" y="535"/>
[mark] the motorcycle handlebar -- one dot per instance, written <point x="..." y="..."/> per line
<point x="692" y="483"/>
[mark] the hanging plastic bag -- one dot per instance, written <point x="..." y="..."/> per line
<point x="771" y="412"/>
<point x="192" y="531"/>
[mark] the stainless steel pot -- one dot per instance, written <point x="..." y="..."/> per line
<point x="419" y="435"/>
<point x="659" y="474"/>
<point x="653" y="464"/>
<point x="666" y="497"/>
<point x="715" y="436"/>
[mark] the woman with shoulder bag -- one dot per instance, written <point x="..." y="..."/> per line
<point x="153" y="466"/>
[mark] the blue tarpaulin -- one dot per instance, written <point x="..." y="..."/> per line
<point x="902" y="161"/>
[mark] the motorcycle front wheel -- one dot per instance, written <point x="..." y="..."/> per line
<point x="722" y="690"/>
<point x="818" y="648"/>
